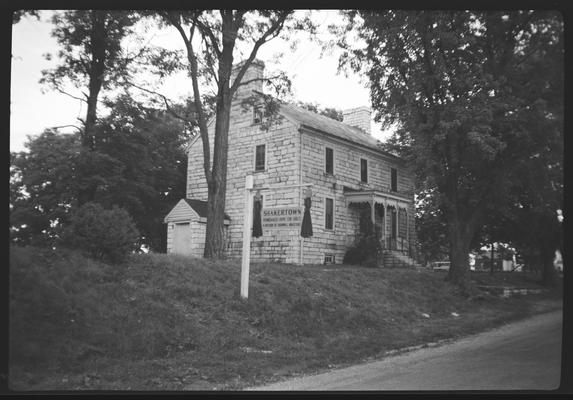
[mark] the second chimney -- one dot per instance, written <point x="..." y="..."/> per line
<point x="358" y="117"/>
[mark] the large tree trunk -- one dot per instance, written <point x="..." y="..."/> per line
<point x="97" y="70"/>
<point x="460" y="238"/>
<point x="214" y="235"/>
<point x="547" y="254"/>
<point x="96" y="73"/>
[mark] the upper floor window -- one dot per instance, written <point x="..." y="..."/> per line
<point x="257" y="114"/>
<point x="393" y="180"/>
<point x="260" y="157"/>
<point x="328" y="213"/>
<point x="329" y="169"/>
<point x="363" y="170"/>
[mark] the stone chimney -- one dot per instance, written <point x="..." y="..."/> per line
<point x="255" y="71"/>
<point x="358" y="117"/>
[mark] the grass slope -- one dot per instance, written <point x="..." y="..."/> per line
<point x="166" y="322"/>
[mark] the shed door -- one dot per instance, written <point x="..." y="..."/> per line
<point x="182" y="238"/>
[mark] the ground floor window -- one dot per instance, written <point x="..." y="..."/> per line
<point x="329" y="258"/>
<point x="328" y="213"/>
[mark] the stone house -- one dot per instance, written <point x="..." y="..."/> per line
<point x="353" y="183"/>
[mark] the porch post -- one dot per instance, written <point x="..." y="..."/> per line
<point x="407" y="228"/>
<point x="372" y="214"/>
<point x="397" y="222"/>
<point x="384" y="219"/>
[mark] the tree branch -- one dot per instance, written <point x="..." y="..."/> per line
<point x="207" y="31"/>
<point x="165" y="100"/>
<point x="199" y="108"/>
<point x="273" y="31"/>
<point x="65" y="126"/>
<point x="67" y="94"/>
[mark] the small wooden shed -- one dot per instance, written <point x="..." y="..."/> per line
<point x="186" y="225"/>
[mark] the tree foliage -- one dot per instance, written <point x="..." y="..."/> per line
<point x="475" y="94"/>
<point x="17" y="15"/>
<point x="329" y="112"/>
<point x="140" y="165"/>
<point x="105" y="234"/>
<point x="91" y="58"/>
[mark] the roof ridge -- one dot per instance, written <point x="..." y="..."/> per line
<point x="328" y="119"/>
<point x="320" y="116"/>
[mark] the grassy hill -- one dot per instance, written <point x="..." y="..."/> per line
<point x="165" y="322"/>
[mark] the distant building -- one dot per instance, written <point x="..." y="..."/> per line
<point x="353" y="182"/>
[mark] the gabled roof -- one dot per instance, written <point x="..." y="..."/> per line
<point x="189" y="209"/>
<point x="329" y="126"/>
<point x="200" y="207"/>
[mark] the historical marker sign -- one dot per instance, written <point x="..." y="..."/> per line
<point x="281" y="218"/>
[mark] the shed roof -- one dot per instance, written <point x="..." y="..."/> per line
<point x="200" y="207"/>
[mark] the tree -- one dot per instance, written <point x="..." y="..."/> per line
<point x="212" y="40"/>
<point x="19" y="14"/>
<point x="42" y="187"/>
<point x="91" y="58"/>
<point x="140" y="165"/>
<point x="464" y="87"/>
<point x="329" y="112"/>
<point x="150" y="145"/>
<point x="431" y="227"/>
<point x="106" y="234"/>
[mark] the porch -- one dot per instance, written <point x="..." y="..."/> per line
<point x="385" y="214"/>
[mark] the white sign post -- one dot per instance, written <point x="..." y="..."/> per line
<point x="247" y="220"/>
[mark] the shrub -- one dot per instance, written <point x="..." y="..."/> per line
<point x="108" y="235"/>
<point x="366" y="252"/>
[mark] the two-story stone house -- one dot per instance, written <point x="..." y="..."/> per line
<point x="351" y="179"/>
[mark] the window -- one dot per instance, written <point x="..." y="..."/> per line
<point x="329" y="259"/>
<point x="260" y="158"/>
<point x="257" y="114"/>
<point x="328" y="213"/>
<point x="363" y="170"/>
<point x="393" y="180"/>
<point x="329" y="161"/>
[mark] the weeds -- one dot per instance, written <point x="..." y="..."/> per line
<point x="79" y="323"/>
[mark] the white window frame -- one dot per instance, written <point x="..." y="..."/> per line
<point x="255" y="157"/>
<point x="333" y="212"/>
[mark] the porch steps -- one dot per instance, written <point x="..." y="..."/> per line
<point x="395" y="259"/>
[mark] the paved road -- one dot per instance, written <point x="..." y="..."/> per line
<point x="521" y="356"/>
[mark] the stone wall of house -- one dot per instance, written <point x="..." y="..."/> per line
<point x="282" y="143"/>
<point x="346" y="173"/>
<point x="196" y="182"/>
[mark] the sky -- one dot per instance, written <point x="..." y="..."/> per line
<point x="34" y="108"/>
